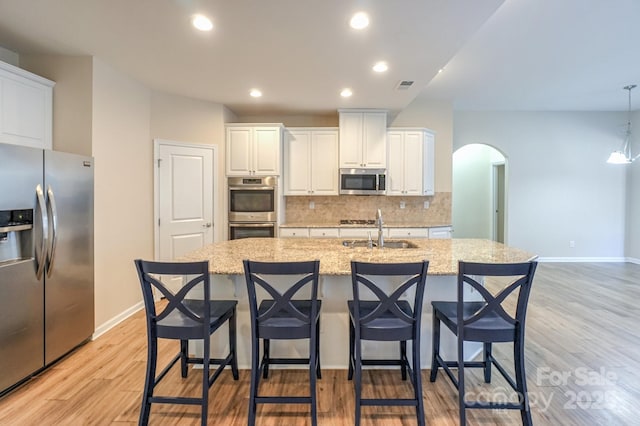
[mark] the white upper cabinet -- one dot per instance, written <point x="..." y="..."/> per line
<point x="363" y="139"/>
<point x="411" y="162"/>
<point x="26" y="102"/>
<point x="311" y="161"/>
<point x="253" y="149"/>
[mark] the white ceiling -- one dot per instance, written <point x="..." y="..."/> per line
<point x="499" y="54"/>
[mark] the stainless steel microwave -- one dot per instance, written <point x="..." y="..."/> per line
<point x="362" y="181"/>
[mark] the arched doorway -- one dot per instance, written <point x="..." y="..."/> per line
<point x="479" y="193"/>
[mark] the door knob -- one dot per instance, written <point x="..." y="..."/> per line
<point x="207" y="225"/>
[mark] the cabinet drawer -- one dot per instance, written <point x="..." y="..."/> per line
<point x="323" y="232"/>
<point x="440" y="232"/>
<point x="294" y="233"/>
<point x="408" y="232"/>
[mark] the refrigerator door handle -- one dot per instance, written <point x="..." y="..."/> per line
<point x="41" y="246"/>
<point x="52" y="213"/>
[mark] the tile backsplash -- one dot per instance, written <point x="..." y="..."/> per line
<point x="332" y="209"/>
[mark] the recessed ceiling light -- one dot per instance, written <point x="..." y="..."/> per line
<point x="380" y="66"/>
<point x="440" y="70"/>
<point x="202" y="23"/>
<point x="346" y="93"/>
<point x="359" y="21"/>
<point x="255" y="93"/>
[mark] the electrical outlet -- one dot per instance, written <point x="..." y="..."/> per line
<point x="426" y="204"/>
<point x="572" y="244"/>
<point x="312" y="205"/>
<point x="402" y="204"/>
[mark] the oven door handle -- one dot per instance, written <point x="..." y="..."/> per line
<point x="250" y="188"/>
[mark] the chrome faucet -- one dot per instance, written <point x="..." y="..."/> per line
<point x="379" y="223"/>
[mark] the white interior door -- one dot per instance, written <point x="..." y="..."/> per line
<point x="185" y="194"/>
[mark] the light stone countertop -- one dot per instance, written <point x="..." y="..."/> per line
<point x="225" y="258"/>
<point x="338" y="225"/>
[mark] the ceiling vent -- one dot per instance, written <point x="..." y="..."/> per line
<point x="404" y="84"/>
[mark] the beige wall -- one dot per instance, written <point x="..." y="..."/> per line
<point x="123" y="188"/>
<point x="188" y="120"/>
<point x="72" y="98"/>
<point x="294" y="120"/>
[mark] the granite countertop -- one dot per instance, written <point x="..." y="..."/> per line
<point x="338" y="225"/>
<point x="225" y="258"/>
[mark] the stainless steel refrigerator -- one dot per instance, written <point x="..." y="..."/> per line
<point x="46" y="258"/>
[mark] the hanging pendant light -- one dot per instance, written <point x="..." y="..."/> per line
<point x="623" y="156"/>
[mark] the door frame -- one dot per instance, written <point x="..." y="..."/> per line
<point x="495" y="172"/>
<point x="156" y="188"/>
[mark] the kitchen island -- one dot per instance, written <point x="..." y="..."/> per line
<point x="225" y="264"/>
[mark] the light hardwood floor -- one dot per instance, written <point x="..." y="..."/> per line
<point x="582" y="366"/>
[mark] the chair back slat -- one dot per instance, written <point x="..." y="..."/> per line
<point x="147" y="272"/>
<point x="257" y="275"/>
<point x="388" y="303"/>
<point x="522" y="278"/>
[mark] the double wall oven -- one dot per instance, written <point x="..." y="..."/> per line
<point x="252" y="207"/>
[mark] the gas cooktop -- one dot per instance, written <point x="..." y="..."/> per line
<point x="357" y="222"/>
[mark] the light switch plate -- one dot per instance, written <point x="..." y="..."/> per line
<point x="402" y="204"/>
<point x="426" y="204"/>
<point x="312" y="205"/>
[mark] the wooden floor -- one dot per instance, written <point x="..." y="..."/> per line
<point x="582" y="359"/>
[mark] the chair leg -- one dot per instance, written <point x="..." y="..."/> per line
<point x="461" y="396"/>
<point x="152" y="358"/>
<point x="417" y="380"/>
<point x="487" y="362"/>
<point x="184" y="352"/>
<point x="233" y="345"/>
<point x="358" y="379"/>
<point x="351" y="349"/>
<point x="317" y="351"/>
<point x="313" y="371"/>
<point x="435" y="348"/>
<point x="265" y="357"/>
<point x="205" y="379"/>
<point x="521" y="381"/>
<point x="403" y="359"/>
<point x="255" y="379"/>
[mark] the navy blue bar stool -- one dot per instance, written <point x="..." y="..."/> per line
<point x="387" y="318"/>
<point x="488" y="322"/>
<point x="183" y="319"/>
<point x="283" y="316"/>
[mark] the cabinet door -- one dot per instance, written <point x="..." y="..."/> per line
<point x="324" y="162"/>
<point x="266" y="151"/>
<point x="413" y="162"/>
<point x="25" y="110"/>
<point x="374" y="140"/>
<point x="351" y="140"/>
<point x="297" y="153"/>
<point x="239" y="153"/>
<point x="395" y="169"/>
<point x="429" y="165"/>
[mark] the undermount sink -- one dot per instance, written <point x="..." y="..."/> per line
<point x="391" y="244"/>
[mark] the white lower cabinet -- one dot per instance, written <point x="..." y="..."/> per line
<point x="294" y="233"/>
<point x="441" y="232"/>
<point x="408" y="232"/>
<point x="324" y="232"/>
<point x="362" y="233"/>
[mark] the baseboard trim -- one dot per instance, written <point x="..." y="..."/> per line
<point x="116" y="320"/>
<point x="584" y="259"/>
<point x="633" y="260"/>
